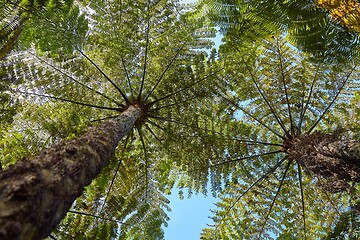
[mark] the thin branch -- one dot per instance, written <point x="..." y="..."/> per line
<point x="177" y="122"/>
<point x="331" y="103"/>
<point x="172" y="104"/>
<point x="111" y="185"/>
<point x="102" y="72"/>
<point x="255" y="142"/>
<point x="185" y="88"/>
<point x="164" y="72"/>
<point x="302" y="199"/>
<point x="172" y="121"/>
<point x="285" y="88"/>
<point x="215" y="132"/>
<point x="300" y="106"/>
<point x="265" y="99"/>
<point x="155" y="124"/>
<point x="152" y="133"/>
<point x="303" y="110"/>
<point x="273" y="201"/>
<point x="127" y="139"/>
<point x="78" y="82"/>
<point x="82" y="53"/>
<point x="252" y="116"/>
<point x="336" y="207"/>
<point x="146" y="161"/>
<point x="146" y="52"/>
<point x="71" y="101"/>
<point x="102" y="218"/>
<point x="245" y="158"/>
<point x="127" y="77"/>
<point x="252" y="185"/>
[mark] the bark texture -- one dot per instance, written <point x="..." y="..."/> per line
<point x="35" y="194"/>
<point x="325" y="155"/>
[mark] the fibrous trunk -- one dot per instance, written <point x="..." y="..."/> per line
<point x="336" y="160"/>
<point x="35" y="194"/>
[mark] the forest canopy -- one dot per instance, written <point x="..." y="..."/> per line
<point x="108" y="107"/>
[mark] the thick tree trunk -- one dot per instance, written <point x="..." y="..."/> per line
<point x="336" y="160"/>
<point x="35" y="194"/>
<point x="345" y="149"/>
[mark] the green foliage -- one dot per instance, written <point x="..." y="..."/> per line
<point x="351" y="122"/>
<point x="50" y="25"/>
<point x="207" y="119"/>
<point x="128" y="57"/>
<point x="308" y="26"/>
<point x="55" y="29"/>
<point x="267" y="196"/>
<point x="238" y="22"/>
<point x="8" y="104"/>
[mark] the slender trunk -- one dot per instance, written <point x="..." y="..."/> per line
<point x="35" y="194"/>
<point x="9" y="43"/>
<point x="325" y="155"/>
<point x="10" y="31"/>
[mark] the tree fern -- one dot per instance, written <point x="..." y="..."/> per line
<point x="270" y="194"/>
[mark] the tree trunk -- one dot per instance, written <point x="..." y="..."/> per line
<point x="325" y="155"/>
<point x="10" y="30"/>
<point x="345" y="149"/>
<point x="35" y="194"/>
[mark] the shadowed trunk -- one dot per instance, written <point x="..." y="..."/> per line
<point x="325" y="155"/>
<point x="12" y="21"/>
<point x="8" y="44"/>
<point x="35" y="194"/>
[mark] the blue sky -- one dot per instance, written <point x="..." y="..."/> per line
<point x="188" y="216"/>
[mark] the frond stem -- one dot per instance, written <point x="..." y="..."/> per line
<point x="273" y="201"/>
<point x="303" y="111"/>
<point x="146" y="161"/>
<point x="103" y="73"/>
<point x="252" y="185"/>
<point x="285" y="88"/>
<point x="76" y="81"/>
<point x="71" y="101"/>
<point x="331" y="103"/>
<point x="164" y="72"/>
<point x="302" y="199"/>
<point x="265" y="99"/>
<point x="245" y="158"/>
<point x="252" y="116"/>
<point x="183" y="89"/>
<point x="127" y="76"/>
<point x="111" y="185"/>
<point x="146" y="52"/>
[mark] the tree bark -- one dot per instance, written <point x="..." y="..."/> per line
<point x="325" y="155"/>
<point x="345" y="149"/>
<point x="35" y="194"/>
<point x="10" y="31"/>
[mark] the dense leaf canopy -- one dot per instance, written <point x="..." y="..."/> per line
<point x="307" y="24"/>
<point x="221" y="121"/>
<point x="282" y="95"/>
